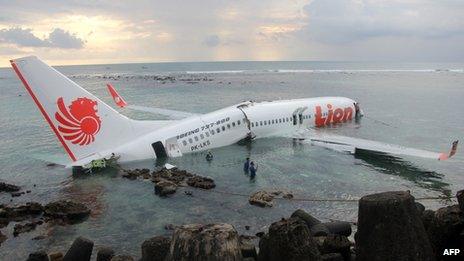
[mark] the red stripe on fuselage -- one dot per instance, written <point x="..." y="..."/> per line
<point x="42" y="110"/>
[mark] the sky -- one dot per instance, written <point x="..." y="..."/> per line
<point x="108" y="31"/>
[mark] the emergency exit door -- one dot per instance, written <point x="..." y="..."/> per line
<point x="159" y="149"/>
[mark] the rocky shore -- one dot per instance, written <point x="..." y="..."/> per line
<point x="391" y="226"/>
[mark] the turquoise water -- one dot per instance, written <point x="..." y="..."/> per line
<point x="420" y="106"/>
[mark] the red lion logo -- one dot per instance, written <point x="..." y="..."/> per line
<point x="80" y="123"/>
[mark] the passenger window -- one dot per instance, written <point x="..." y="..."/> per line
<point x="207" y="134"/>
<point x="218" y="130"/>
<point x="212" y="132"/>
<point x="223" y="128"/>
<point x="184" y="142"/>
<point x="280" y="120"/>
<point x="202" y="136"/>
<point x="190" y="140"/>
<point x="233" y="124"/>
<point x="196" y="138"/>
<point x="252" y="124"/>
<point x="238" y="122"/>
<point x="260" y="123"/>
<point x="228" y="126"/>
<point x="272" y="121"/>
<point x="269" y="122"/>
<point x="265" y="122"/>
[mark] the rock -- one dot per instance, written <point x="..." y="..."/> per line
<point x="307" y="218"/>
<point x="261" y="199"/>
<point x="169" y="227"/>
<point x="174" y="175"/>
<point x="5" y="187"/>
<point x="342" y="228"/>
<point x="460" y="197"/>
<point x="288" y="239"/>
<point x="16" y="194"/>
<point x="444" y="228"/>
<point x="135" y="173"/>
<point x="22" y="228"/>
<point x="29" y="209"/>
<point x="80" y="250"/>
<point x="56" y="256"/>
<point x="122" y="258"/>
<point x="212" y="242"/>
<point x="165" y="187"/>
<point x="287" y="196"/>
<point x="337" y="244"/>
<point x="201" y="182"/>
<point x="319" y="230"/>
<point x="389" y="226"/>
<point x="2" y="238"/>
<point x="155" y="248"/>
<point x="105" y="254"/>
<point x="420" y="208"/>
<point x="40" y="237"/>
<point x="38" y="256"/>
<point x="332" y="257"/>
<point x="68" y="211"/>
<point x="248" y="249"/>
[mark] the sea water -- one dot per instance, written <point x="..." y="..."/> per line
<point x="416" y="105"/>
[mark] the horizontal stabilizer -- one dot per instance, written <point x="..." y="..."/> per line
<point x="172" y="114"/>
<point x="348" y="143"/>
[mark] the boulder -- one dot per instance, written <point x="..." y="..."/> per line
<point x="247" y="249"/>
<point x="105" y="254"/>
<point x="135" y="173"/>
<point x="342" y="228"/>
<point x="444" y="228"/>
<point x="332" y="257"/>
<point x="261" y="199"/>
<point x="174" y="175"/>
<point x="80" y="250"/>
<point x="68" y="211"/>
<point x="56" y="256"/>
<point x="390" y="228"/>
<point x="201" y="182"/>
<point x="122" y="258"/>
<point x="288" y="239"/>
<point x="460" y="197"/>
<point x="5" y="187"/>
<point x="307" y="218"/>
<point x="319" y="230"/>
<point x="336" y="244"/>
<point x="165" y="187"/>
<point x="212" y="242"/>
<point x="38" y="256"/>
<point x="2" y="238"/>
<point x="155" y="248"/>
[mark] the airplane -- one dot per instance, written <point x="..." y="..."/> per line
<point x="90" y="129"/>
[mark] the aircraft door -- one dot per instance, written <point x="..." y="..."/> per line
<point x="159" y="149"/>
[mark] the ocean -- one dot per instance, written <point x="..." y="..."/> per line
<point x="411" y="104"/>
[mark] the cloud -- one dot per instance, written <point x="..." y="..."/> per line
<point x="212" y="40"/>
<point x="63" y="39"/>
<point x="344" y="21"/>
<point x="58" y="38"/>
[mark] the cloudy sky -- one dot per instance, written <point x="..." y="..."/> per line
<point x="108" y="31"/>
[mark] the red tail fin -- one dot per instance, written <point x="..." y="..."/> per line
<point x="116" y="97"/>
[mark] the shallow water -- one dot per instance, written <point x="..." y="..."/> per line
<point x="409" y="104"/>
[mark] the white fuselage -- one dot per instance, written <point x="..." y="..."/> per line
<point x="232" y="124"/>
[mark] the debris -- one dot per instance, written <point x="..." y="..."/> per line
<point x="261" y="199"/>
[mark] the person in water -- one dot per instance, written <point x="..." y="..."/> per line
<point x="246" y="166"/>
<point x="209" y="156"/>
<point x="253" y="170"/>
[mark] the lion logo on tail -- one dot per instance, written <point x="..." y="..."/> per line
<point x="79" y="123"/>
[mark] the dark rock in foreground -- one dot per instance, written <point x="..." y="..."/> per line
<point x="56" y="256"/>
<point x="288" y="239"/>
<point x="67" y="211"/>
<point x="213" y="242"/>
<point x="155" y="249"/>
<point x="105" y="254"/>
<point x="5" y="187"/>
<point x="390" y="228"/>
<point x="122" y="258"/>
<point x="22" y="228"/>
<point x="38" y="256"/>
<point x="80" y="250"/>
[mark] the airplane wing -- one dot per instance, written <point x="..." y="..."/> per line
<point x="350" y="145"/>
<point x="172" y="114"/>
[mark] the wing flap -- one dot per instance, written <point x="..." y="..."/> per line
<point x="349" y="143"/>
